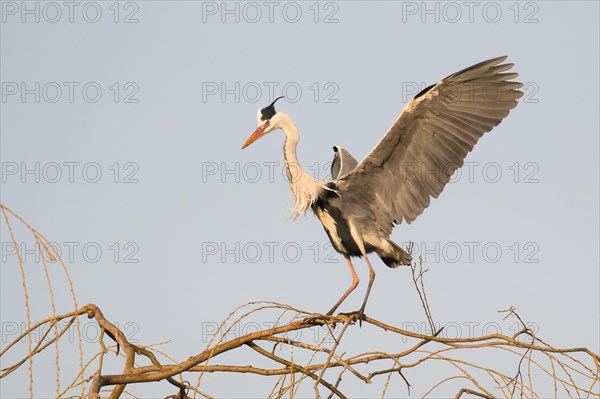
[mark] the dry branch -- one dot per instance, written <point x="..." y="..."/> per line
<point x="569" y="371"/>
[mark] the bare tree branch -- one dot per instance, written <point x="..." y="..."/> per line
<point x="567" y="371"/>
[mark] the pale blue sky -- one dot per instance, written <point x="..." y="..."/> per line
<point x="189" y="226"/>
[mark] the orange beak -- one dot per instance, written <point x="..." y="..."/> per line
<point x="258" y="133"/>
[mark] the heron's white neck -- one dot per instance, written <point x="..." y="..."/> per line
<point x="302" y="185"/>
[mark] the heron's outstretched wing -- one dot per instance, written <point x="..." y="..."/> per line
<point x="342" y="163"/>
<point x="429" y="141"/>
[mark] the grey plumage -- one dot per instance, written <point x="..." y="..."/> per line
<point x="430" y="140"/>
<point x="411" y="164"/>
<point x="342" y="162"/>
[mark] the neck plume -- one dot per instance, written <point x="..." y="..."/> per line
<point x="303" y="186"/>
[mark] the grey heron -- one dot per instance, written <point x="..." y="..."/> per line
<point x="411" y="164"/>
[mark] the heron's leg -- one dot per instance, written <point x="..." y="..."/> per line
<point x="371" y="279"/>
<point x="352" y="286"/>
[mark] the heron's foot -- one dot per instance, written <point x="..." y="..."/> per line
<point x="361" y="315"/>
<point x="357" y="315"/>
<point x="328" y="316"/>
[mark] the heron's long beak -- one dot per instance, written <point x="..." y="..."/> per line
<point x="258" y="133"/>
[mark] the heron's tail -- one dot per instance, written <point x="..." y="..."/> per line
<point x="395" y="255"/>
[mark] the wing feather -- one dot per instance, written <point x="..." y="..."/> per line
<point x="342" y="162"/>
<point x="430" y="140"/>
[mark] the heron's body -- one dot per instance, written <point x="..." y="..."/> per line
<point x="411" y="164"/>
<point x="350" y="229"/>
<point x="352" y="232"/>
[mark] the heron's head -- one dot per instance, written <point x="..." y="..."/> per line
<point x="268" y="120"/>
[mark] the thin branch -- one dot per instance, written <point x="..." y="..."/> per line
<point x="573" y="371"/>
<point x="299" y="368"/>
